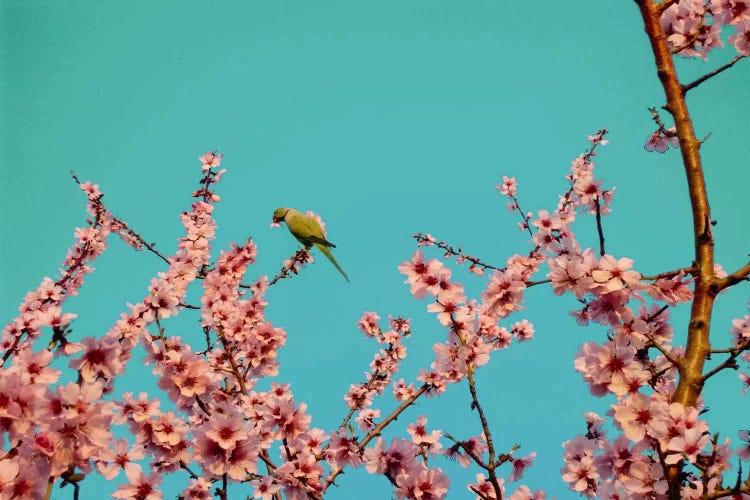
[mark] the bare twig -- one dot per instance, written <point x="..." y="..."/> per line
<point x="695" y="83"/>
<point x="731" y="361"/>
<point x="125" y="227"/>
<point x="599" y="228"/>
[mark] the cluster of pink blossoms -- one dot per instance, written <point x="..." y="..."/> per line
<point x="693" y="29"/>
<point x="64" y="431"/>
<point x="691" y="34"/>
<point x="217" y="429"/>
<point x="655" y="431"/>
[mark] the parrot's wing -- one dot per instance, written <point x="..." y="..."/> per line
<point x="328" y="254"/>
<point x="307" y="230"/>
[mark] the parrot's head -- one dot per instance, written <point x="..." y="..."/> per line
<point x="279" y="214"/>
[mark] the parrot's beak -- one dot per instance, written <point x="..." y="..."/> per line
<point x="276" y="220"/>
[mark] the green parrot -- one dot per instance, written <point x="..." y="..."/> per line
<point x="308" y="231"/>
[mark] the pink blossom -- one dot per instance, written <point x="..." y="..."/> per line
<point x="523" y="330"/>
<point x="745" y="377"/>
<point x="687" y="446"/>
<point x="140" y="409"/>
<point x="524" y="493"/>
<point x="9" y="470"/>
<point x="265" y="488"/>
<point x="398" y="457"/>
<point x="168" y="430"/>
<point x="23" y="479"/>
<point x="310" y="441"/>
<point x="193" y="377"/>
<point x="572" y="273"/>
<point x="740" y="330"/>
<point x="730" y="11"/>
<point x="644" y="478"/>
<point x="426" y="240"/>
<point x="120" y="457"/>
<point x="358" y="397"/>
<point x="660" y="142"/>
<point x="520" y="465"/>
<point x="368" y="324"/>
<point x="401" y="391"/>
<point x="91" y="190"/>
<point x="687" y="33"/>
<point x="587" y="190"/>
<point x="681" y="419"/>
<point x="744" y="451"/>
<point x="547" y="222"/>
<point x="225" y="430"/>
<point x="484" y="488"/>
<point x="639" y="416"/>
<point x="366" y="419"/>
<point x="44" y="443"/>
<point x="34" y="367"/>
<point x="720" y="457"/>
<point x="435" y="381"/>
<point x="101" y="359"/>
<point x="342" y="451"/>
<point x="613" y="274"/>
<point x="424" y="276"/>
<point x="140" y="486"/>
<point x="508" y="187"/>
<point x="464" y="450"/>
<point x="300" y="475"/>
<point x="236" y="461"/>
<point x="419" y="436"/>
<point x="582" y="475"/>
<point x="611" y="308"/>
<point x="446" y="306"/>
<point x="503" y="294"/>
<point x="210" y="160"/>
<point x="198" y="489"/>
<point x="594" y="426"/>
<point x="53" y="317"/>
<point x="598" y="137"/>
<point x="162" y="299"/>
<point x="421" y="483"/>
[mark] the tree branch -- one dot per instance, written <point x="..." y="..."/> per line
<point x="695" y="83"/>
<point x="740" y="274"/>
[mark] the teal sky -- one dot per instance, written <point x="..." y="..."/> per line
<point x="387" y="118"/>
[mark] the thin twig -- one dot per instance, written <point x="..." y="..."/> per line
<point x="669" y="274"/>
<point x="695" y="83"/>
<point x="124" y="225"/>
<point x="730" y="362"/>
<point x="599" y="228"/>
<point x="379" y="428"/>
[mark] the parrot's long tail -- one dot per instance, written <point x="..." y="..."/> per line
<point x="328" y="254"/>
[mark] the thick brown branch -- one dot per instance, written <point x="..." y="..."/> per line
<point x="698" y="346"/>
<point x="690" y="386"/>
